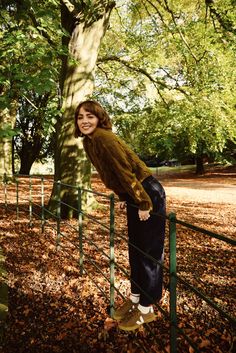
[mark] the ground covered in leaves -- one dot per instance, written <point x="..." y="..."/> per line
<point x="55" y="307"/>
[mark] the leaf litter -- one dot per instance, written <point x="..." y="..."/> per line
<point x="54" y="307"/>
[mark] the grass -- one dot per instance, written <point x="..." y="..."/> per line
<point x="177" y="169"/>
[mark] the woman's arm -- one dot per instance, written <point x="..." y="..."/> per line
<point x="115" y="157"/>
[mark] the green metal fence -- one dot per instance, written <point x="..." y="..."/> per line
<point x="30" y="196"/>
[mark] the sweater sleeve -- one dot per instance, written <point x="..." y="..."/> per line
<point x="114" y="156"/>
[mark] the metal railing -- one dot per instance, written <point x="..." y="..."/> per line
<point x="33" y="202"/>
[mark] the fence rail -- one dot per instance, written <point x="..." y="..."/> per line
<point x="29" y="193"/>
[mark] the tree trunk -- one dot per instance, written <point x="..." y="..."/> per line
<point x="77" y="80"/>
<point x="7" y="121"/>
<point x="200" y="170"/>
<point x="27" y="159"/>
<point x="29" y="153"/>
<point x="5" y="157"/>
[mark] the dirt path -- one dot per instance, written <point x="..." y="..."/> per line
<point x="200" y="191"/>
<point x="208" y="201"/>
<point x="218" y="185"/>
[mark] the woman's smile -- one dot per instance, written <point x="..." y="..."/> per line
<point x="87" y="122"/>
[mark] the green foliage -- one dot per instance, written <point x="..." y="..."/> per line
<point x="7" y="132"/>
<point x="28" y="60"/>
<point x="36" y="126"/>
<point x="166" y="71"/>
<point x="30" y="49"/>
<point x="173" y="73"/>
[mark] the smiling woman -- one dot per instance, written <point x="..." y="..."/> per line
<point x="87" y="122"/>
<point x="122" y="171"/>
<point x="90" y="109"/>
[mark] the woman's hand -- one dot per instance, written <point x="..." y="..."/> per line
<point x="121" y="205"/>
<point x="143" y="215"/>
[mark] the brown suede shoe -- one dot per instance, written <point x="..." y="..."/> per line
<point x="127" y="307"/>
<point x="135" y="319"/>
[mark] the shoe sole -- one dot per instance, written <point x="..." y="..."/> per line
<point x="136" y="327"/>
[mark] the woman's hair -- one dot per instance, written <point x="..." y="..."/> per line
<point x="96" y="109"/>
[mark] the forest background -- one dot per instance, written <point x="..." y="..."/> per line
<point x="164" y="70"/>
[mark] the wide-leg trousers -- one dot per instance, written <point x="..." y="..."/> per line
<point x="146" y="238"/>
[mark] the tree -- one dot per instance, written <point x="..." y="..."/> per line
<point x="185" y="53"/>
<point x="167" y="67"/>
<point x="31" y="33"/>
<point x="8" y="99"/>
<point x="36" y="138"/>
<point x="28" y="66"/>
<point x="85" y="24"/>
<point x="6" y="134"/>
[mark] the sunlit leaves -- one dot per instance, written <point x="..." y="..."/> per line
<point x="189" y="90"/>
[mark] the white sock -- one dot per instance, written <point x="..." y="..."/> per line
<point x="134" y="298"/>
<point x="145" y="309"/>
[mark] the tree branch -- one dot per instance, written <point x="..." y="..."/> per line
<point x="131" y="67"/>
<point x="157" y="11"/>
<point x="141" y="71"/>
<point x="224" y="22"/>
<point x="71" y="8"/>
<point x="36" y="24"/>
<point x="179" y="31"/>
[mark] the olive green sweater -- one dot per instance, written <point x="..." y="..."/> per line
<point x="118" y="166"/>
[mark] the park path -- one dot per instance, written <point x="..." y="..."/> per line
<point x="208" y="201"/>
<point x="201" y="191"/>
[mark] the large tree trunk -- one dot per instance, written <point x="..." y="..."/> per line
<point x="87" y="29"/>
<point x="7" y="121"/>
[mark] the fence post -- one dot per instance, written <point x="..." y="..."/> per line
<point x="58" y="212"/>
<point x="173" y="283"/>
<point x="30" y="203"/>
<point x="17" y="198"/>
<point x="112" y="257"/>
<point x="80" y="230"/>
<point x="5" y="189"/>
<point x="42" y="204"/>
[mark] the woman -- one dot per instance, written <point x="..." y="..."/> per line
<point x="123" y="172"/>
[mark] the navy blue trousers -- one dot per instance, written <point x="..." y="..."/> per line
<point x="148" y="236"/>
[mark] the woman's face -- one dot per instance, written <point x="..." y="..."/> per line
<point x="87" y="122"/>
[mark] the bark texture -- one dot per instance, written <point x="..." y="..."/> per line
<point x="7" y="121"/>
<point x="87" y="26"/>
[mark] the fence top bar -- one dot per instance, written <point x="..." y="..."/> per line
<point x="99" y="193"/>
<point x="207" y="232"/>
<point x="86" y="190"/>
<point x="64" y="184"/>
<point x="191" y="226"/>
<point x="31" y="175"/>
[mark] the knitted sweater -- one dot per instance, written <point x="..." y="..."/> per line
<point x="118" y="166"/>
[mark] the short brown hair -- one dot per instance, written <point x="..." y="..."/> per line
<point x="96" y="109"/>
